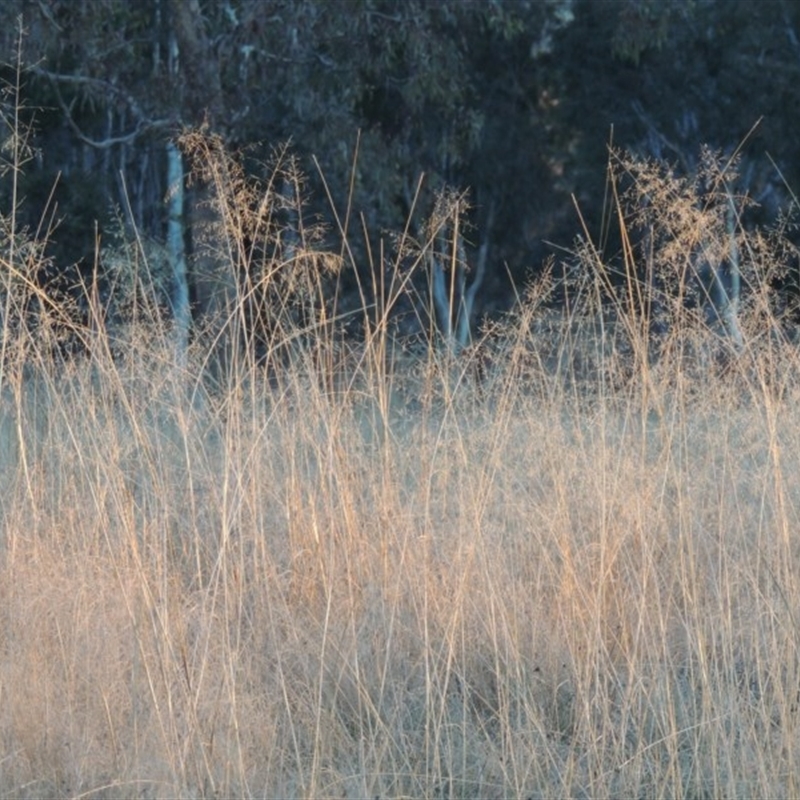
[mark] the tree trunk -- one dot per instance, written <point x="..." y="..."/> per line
<point x="455" y="305"/>
<point x="177" y="253"/>
<point x="213" y="278"/>
<point x="211" y="271"/>
<point x="198" y="71"/>
<point x="722" y="311"/>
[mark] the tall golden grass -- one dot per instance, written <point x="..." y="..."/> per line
<point x="577" y="575"/>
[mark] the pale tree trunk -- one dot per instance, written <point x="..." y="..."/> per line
<point x="176" y="225"/>
<point x="455" y="304"/>
<point x="469" y="294"/>
<point x="730" y="282"/>
<point x="211" y="271"/>
<point x="441" y="299"/>
<point x="177" y="253"/>
<point x="722" y="310"/>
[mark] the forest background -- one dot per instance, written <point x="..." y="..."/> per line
<point x="515" y="103"/>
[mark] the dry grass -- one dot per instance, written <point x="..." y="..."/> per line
<point x="566" y="581"/>
<point x="287" y="593"/>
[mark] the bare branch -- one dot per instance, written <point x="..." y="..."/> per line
<point x="143" y="124"/>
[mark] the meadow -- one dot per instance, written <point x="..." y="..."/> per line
<point x="574" y="572"/>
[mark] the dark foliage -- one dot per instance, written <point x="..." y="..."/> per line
<point x="514" y="101"/>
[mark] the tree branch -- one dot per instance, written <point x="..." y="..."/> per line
<point x="143" y="122"/>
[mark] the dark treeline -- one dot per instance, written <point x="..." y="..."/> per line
<point x="515" y="102"/>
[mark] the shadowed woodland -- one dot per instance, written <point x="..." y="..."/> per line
<point x="361" y="117"/>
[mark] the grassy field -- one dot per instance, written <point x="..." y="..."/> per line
<point x="572" y="572"/>
<point x="416" y="586"/>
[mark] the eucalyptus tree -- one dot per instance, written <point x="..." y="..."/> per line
<point x="490" y="97"/>
<point x="121" y="80"/>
